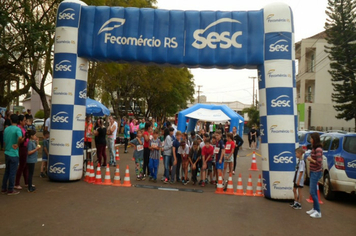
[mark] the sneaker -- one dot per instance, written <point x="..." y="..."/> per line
<point x="114" y="165"/>
<point x="233" y="172"/>
<point x="33" y="189"/>
<point x="203" y="184"/>
<point x="187" y="181"/>
<point x="138" y="178"/>
<point x="200" y="182"/>
<point x="212" y="182"/>
<point x="143" y="177"/>
<point x="206" y="181"/>
<point x="125" y="151"/>
<point x="42" y="175"/>
<point x="150" y="178"/>
<point x="193" y="182"/>
<point x="315" y="215"/>
<point x="311" y="211"/>
<point x="179" y="180"/>
<point x="154" y="180"/>
<point x="3" y="191"/>
<point x="13" y="192"/>
<point x="18" y="187"/>
<point x="163" y="178"/>
<point x="183" y="181"/>
<point x="171" y="182"/>
<point x="291" y="204"/>
<point x="165" y="181"/>
<point x="297" y="206"/>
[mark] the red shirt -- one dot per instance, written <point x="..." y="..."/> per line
<point x="208" y="152"/>
<point x="229" y="146"/>
<point x="146" y="144"/>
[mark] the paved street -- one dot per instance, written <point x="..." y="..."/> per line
<point x="79" y="208"/>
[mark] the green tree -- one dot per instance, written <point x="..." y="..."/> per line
<point x="253" y="115"/>
<point x="341" y="31"/>
<point x="27" y="40"/>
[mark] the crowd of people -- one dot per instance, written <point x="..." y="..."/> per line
<point x="21" y="145"/>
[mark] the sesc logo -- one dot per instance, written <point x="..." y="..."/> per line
<point x="64" y="65"/>
<point x="57" y="168"/>
<point x="66" y="14"/>
<point x="280" y="102"/>
<point x="283" y="158"/>
<point x="83" y="94"/>
<point x="60" y="117"/>
<point x="117" y="23"/>
<point x="76" y="168"/>
<point x="352" y="164"/>
<point x="80" y="143"/>
<point x="276" y="185"/>
<point x="224" y="40"/>
<point x="279" y="46"/>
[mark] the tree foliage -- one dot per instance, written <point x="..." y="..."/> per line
<point x="341" y="31"/>
<point x="27" y="30"/>
<point x="253" y="115"/>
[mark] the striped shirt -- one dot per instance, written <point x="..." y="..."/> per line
<point x="154" y="153"/>
<point x="316" y="155"/>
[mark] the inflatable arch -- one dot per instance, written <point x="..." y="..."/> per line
<point x="202" y="112"/>
<point x="262" y="39"/>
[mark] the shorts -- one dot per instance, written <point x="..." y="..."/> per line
<point x="219" y="166"/>
<point x="297" y="186"/>
<point x="87" y="145"/>
<point x="231" y="159"/>
<point x="44" y="159"/>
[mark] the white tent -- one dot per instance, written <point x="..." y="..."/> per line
<point x="208" y="115"/>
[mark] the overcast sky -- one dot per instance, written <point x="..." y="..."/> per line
<point x="309" y="19"/>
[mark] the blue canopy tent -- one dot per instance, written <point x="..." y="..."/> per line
<point x="216" y="113"/>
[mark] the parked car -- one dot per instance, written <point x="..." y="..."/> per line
<point x="38" y="123"/>
<point x="304" y="138"/>
<point x="339" y="163"/>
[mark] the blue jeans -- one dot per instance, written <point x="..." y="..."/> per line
<point x="10" y="173"/>
<point x="111" y="147"/>
<point x="314" y="178"/>
<point x="167" y="162"/>
<point x="153" y="166"/>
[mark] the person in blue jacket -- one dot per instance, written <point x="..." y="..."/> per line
<point x="126" y="133"/>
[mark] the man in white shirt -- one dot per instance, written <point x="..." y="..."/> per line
<point x="111" y="132"/>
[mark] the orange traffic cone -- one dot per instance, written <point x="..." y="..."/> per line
<point x="91" y="175"/>
<point x="161" y="158"/>
<point x="107" y="180"/>
<point x="259" y="188"/>
<point x="230" y="186"/>
<point x="87" y="172"/>
<point x="253" y="163"/>
<point x="117" y="155"/>
<point x="117" y="179"/>
<point x="249" y="190"/>
<point x="220" y="187"/>
<point x="127" y="182"/>
<point x="310" y="200"/>
<point x="240" y="188"/>
<point x="98" y="175"/>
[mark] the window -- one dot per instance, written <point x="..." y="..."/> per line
<point x="326" y="143"/>
<point x="335" y="144"/>
<point x="350" y="144"/>
<point x="309" y="96"/>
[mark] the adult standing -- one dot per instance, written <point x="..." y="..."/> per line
<point x="146" y="150"/>
<point x="126" y="133"/>
<point x="315" y="164"/>
<point x="132" y="129"/>
<point x="154" y="124"/>
<point x="258" y="137"/>
<point x="111" y="132"/>
<point x="100" y="141"/>
<point x="238" y="143"/>
<point x="88" y="136"/>
<point x="2" y="127"/>
<point x="7" y="119"/>
<point x="12" y="138"/>
<point x="48" y="123"/>
<point x="22" y="169"/>
<point x="253" y="135"/>
<point x="211" y="129"/>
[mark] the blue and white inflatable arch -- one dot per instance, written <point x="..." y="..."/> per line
<point x="261" y="39"/>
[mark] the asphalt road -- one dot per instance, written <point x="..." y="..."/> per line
<point x="79" y="208"/>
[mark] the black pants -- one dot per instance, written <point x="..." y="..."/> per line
<point x="126" y="142"/>
<point x="31" y="169"/>
<point x="146" y="160"/>
<point x="236" y="152"/>
<point x="194" y="173"/>
<point x="2" y="139"/>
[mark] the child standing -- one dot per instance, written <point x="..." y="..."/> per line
<point x="137" y="143"/>
<point x="220" y="153"/>
<point x="167" y="152"/>
<point x="229" y="153"/>
<point x="298" y="180"/>
<point x="155" y="147"/>
<point x="32" y="147"/>
<point x="194" y="158"/>
<point x="183" y="150"/>
<point x="126" y="133"/>
<point x="207" y="157"/>
<point x="177" y="158"/>
<point x="45" y="154"/>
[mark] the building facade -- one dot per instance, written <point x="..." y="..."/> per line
<point x="314" y="87"/>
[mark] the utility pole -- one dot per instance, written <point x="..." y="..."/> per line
<point x="253" y="91"/>
<point x="199" y="86"/>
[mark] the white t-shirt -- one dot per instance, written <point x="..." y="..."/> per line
<point x="113" y="135"/>
<point x="48" y="123"/>
<point x="211" y="128"/>
<point x="301" y="168"/>
<point x="186" y="149"/>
